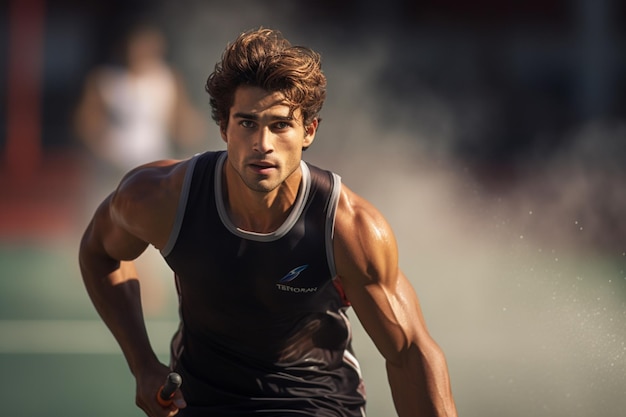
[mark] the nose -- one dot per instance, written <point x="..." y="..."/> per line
<point x="263" y="141"/>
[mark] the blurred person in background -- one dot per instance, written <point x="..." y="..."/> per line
<point x="134" y="112"/>
<point x="137" y="111"/>
<point x="269" y="252"/>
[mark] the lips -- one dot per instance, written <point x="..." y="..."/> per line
<point x="262" y="166"/>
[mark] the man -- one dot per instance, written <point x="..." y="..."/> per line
<point x="268" y="253"/>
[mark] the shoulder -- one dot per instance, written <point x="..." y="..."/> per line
<point x="146" y="199"/>
<point x="152" y="180"/>
<point x="356" y="214"/>
<point x="365" y="245"/>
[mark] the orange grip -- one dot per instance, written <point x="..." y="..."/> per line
<point x="168" y="389"/>
<point x="163" y="402"/>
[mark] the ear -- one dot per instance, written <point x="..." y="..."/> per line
<point x="309" y="133"/>
<point x="223" y="132"/>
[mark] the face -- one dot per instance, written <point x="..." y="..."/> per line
<point x="145" y="45"/>
<point x="265" y="138"/>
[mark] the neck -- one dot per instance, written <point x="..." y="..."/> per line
<point x="144" y="66"/>
<point x="259" y="211"/>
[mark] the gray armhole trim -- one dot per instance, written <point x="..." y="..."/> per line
<point x="330" y="224"/>
<point x="182" y="206"/>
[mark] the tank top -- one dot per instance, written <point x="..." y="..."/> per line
<point x="263" y="320"/>
<point x="139" y="109"/>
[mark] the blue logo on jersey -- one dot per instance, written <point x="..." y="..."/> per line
<point x="293" y="274"/>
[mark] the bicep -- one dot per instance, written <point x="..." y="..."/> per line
<point x="390" y="314"/>
<point x="382" y="297"/>
<point x="108" y="237"/>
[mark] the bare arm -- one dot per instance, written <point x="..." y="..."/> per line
<point x="389" y="310"/>
<point x="188" y="125"/>
<point x="112" y="283"/>
<point x="90" y="118"/>
<point x="107" y="249"/>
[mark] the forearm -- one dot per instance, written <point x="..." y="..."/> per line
<point x="114" y="290"/>
<point x="420" y="384"/>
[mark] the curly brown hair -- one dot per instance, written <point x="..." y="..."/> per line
<point x="264" y="58"/>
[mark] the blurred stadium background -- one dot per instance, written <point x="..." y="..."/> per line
<point x="491" y="134"/>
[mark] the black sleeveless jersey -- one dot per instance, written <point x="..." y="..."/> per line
<point x="263" y="324"/>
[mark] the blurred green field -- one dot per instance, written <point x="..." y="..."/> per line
<point x="66" y="385"/>
<point x="57" y="358"/>
<point x="524" y="334"/>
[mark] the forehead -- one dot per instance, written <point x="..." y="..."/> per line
<point x="257" y="101"/>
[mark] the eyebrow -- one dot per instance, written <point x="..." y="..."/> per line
<point x="254" y="116"/>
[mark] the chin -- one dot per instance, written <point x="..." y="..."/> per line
<point x="262" y="186"/>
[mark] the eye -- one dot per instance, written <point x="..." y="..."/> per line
<point x="282" y="125"/>
<point x="248" y="124"/>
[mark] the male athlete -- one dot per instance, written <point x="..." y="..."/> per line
<point x="268" y="253"/>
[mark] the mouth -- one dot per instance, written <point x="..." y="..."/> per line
<point x="262" y="167"/>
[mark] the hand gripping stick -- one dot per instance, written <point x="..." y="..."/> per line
<point x="166" y="392"/>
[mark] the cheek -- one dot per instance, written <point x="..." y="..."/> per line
<point x="295" y="154"/>
<point x="293" y="149"/>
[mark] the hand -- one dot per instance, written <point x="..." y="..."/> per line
<point x="148" y="385"/>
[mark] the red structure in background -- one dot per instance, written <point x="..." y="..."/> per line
<point x="38" y="192"/>
<point x="46" y="205"/>
<point x="22" y="154"/>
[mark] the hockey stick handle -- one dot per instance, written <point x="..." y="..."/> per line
<point x="167" y="390"/>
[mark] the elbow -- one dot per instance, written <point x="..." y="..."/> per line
<point x="93" y="259"/>
<point x="420" y="383"/>
<point x="84" y="249"/>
